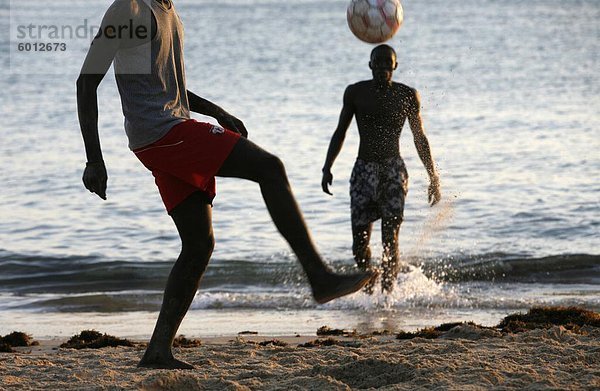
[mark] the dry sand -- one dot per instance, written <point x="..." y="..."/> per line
<point x="464" y="358"/>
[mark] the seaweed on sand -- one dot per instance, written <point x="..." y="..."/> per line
<point x="273" y="342"/>
<point x="16" y="338"/>
<point x="382" y="332"/>
<point x="6" y="348"/>
<point x="436" y="332"/>
<point x="269" y="342"/>
<point x="428" y="333"/>
<point x="183" y="342"/>
<point x="330" y="342"/>
<point x="320" y="342"/>
<point x="326" y="330"/>
<point x="92" y="339"/>
<point x="571" y="318"/>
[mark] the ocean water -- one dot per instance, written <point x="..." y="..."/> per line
<point x="510" y="99"/>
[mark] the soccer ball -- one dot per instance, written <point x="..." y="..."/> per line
<point x="374" y="21"/>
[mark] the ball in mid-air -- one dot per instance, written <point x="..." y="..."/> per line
<point x="375" y="21"/>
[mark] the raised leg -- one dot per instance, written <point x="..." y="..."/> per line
<point x="390" y="259"/>
<point x="249" y="161"/>
<point x="361" y="235"/>
<point x="194" y="223"/>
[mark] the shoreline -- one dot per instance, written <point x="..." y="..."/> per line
<point x="229" y="322"/>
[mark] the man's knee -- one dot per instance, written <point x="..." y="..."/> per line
<point x="273" y="169"/>
<point x="199" y="249"/>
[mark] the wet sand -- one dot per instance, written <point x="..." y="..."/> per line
<point x="465" y="358"/>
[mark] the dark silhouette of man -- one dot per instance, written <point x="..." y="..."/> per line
<point x="379" y="180"/>
<point x="144" y="41"/>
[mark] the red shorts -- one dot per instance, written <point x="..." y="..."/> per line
<point x="187" y="159"/>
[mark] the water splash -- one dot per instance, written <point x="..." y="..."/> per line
<point x="435" y="224"/>
<point x="412" y="289"/>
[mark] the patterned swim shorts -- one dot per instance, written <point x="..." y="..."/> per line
<point x="377" y="190"/>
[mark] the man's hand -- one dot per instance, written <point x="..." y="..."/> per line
<point x="434" y="194"/>
<point x="230" y="122"/>
<point x="95" y="178"/>
<point x="327" y="181"/>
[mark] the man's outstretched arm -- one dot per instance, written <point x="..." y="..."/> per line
<point x="205" y="107"/>
<point x="337" y="140"/>
<point x="423" y="149"/>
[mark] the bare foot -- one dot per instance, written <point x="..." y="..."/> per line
<point x="163" y="363"/>
<point x="333" y="285"/>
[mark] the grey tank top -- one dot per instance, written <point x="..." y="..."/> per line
<point x="151" y="80"/>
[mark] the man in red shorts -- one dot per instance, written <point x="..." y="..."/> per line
<point x="184" y="156"/>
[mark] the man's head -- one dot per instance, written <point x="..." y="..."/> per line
<point x="383" y="63"/>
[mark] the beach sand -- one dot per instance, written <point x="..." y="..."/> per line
<point x="463" y="358"/>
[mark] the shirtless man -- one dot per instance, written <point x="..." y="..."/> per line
<point x="144" y="39"/>
<point x="379" y="180"/>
